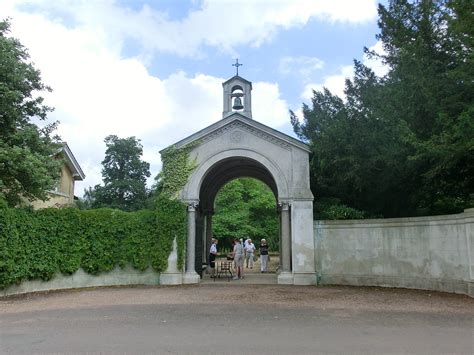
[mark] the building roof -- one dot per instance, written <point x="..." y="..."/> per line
<point x="237" y="77"/>
<point x="72" y="163"/>
<point x="244" y="120"/>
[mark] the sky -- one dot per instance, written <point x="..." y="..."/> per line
<point x="154" y="69"/>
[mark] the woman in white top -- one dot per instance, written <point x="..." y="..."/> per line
<point x="212" y="257"/>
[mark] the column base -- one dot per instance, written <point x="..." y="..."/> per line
<point x="285" y="278"/>
<point x="171" y="278"/>
<point x="307" y="278"/>
<point x="191" y="278"/>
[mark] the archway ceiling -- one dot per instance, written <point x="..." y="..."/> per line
<point x="228" y="170"/>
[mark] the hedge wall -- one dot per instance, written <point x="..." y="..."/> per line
<point x="37" y="244"/>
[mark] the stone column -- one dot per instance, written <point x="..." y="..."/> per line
<point x="302" y="243"/>
<point x="208" y="234"/>
<point x="286" y="276"/>
<point x="191" y="275"/>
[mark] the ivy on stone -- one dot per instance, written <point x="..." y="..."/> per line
<point x="39" y="244"/>
<point x="176" y="169"/>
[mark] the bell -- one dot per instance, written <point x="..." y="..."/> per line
<point x="237" y="104"/>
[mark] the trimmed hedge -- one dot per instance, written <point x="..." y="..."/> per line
<point x="38" y="244"/>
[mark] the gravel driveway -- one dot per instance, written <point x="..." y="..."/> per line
<point x="233" y="318"/>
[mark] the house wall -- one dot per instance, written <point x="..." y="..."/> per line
<point x="66" y="185"/>
<point x="63" y="195"/>
<point x="432" y="253"/>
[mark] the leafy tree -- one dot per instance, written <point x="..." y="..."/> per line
<point x="124" y="175"/>
<point x="402" y="144"/>
<point x="27" y="166"/>
<point x="246" y="207"/>
<point x="429" y="49"/>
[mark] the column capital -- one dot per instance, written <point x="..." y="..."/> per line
<point x="284" y="205"/>
<point x="192" y="206"/>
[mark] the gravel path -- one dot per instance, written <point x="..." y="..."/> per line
<point x="234" y="318"/>
<point x="232" y="293"/>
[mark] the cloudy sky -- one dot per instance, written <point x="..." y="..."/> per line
<point x="154" y="69"/>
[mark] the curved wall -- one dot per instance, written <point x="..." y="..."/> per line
<point x="116" y="277"/>
<point x="433" y="253"/>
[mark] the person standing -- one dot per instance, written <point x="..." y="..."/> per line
<point x="249" y="253"/>
<point x="245" y="243"/>
<point x="247" y="240"/>
<point x="238" y="254"/>
<point x="263" y="256"/>
<point x="212" y="257"/>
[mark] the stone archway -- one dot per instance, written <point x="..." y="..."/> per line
<point x="223" y="168"/>
<point x="238" y="146"/>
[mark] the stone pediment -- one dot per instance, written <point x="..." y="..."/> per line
<point x="239" y="124"/>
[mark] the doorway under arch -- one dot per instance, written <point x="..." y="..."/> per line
<point x="214" y="180"/>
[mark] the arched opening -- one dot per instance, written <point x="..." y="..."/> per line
<point x="237" y="95"/>
<point x="233" y="171"/>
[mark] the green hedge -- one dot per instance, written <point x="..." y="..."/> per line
<point x="37" y="244"/>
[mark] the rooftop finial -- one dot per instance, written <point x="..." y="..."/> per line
<point x="237" y="65"/>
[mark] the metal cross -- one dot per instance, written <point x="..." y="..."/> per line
<point x="237" y="65"/>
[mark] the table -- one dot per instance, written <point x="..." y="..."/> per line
<point x="224" y="268"/>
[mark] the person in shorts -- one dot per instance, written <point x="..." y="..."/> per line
<point x="238" y="254"/>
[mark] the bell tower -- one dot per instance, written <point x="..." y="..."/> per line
<point x="237" y="95"/>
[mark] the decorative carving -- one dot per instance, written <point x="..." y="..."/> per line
<point x="192" y="206"/>
<point x="284" y="205"/>
<point x="244" y="127"/>
<point x="236" y="136"/>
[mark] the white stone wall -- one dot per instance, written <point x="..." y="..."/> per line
<point x="116" y="277"/>
<point x="432" y="253"/>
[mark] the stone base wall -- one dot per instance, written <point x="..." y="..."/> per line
<point x="433" y="253"/>
<point x="116" y="277"/>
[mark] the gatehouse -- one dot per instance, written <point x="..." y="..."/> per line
<point x="235" y="146"/>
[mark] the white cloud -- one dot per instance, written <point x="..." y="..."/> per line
<point x="78" y="47"/>
<point x="334" y="83"/>
<point x="221" y="24"/>
<point x="267" y="106"/>
<point x="97" y="93"/>
<point x="304" y="66"/>
<point x="376" y="65"/>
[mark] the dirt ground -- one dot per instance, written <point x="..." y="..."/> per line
<point x="231" y="293"/>
<point x="207" y="318"/>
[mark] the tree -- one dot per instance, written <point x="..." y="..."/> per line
<point x="403" y="144"/>
<point x="429" y="49"/>
<point x="28" y="168"/>
<point x="246" y="207"/>
<point x="124" y="175"/>
<point x="357" y="156"/>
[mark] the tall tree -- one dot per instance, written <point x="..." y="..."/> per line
<point x="27" y="166"/>
<point x="124" y="175"/>
<point x="402" y="144"/>
<point x="429" y="49"/>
